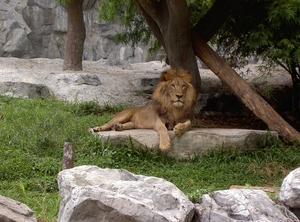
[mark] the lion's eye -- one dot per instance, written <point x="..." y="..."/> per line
<point x="173" y="86"/>
<point x="183" y="86"/>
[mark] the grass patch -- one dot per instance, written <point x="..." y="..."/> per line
<point x="32" y="134"/>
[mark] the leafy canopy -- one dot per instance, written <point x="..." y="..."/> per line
<point x="127" y="14"/>
<point x="267" y="28"/>
<point x="136" y="29"/>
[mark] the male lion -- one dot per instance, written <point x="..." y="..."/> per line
<point x="174" y="100"/>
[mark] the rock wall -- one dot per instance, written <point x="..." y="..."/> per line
<point x="37" y="29"/>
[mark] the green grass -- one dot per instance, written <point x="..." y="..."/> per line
<point x="32" y="134"/>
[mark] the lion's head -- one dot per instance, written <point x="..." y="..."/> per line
<point x="174" y="94"/>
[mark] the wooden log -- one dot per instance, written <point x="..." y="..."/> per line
<point x="68" y="156"/>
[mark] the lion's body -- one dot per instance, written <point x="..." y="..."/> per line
<point x="174" y="100"/>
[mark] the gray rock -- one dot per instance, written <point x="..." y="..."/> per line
<point x="119" y="63"/>
<point x="38" y="28"/>
<point x="193" y="142"/>
<point x="98" y="82"/>
<point x="149" y="84"/>
<point x="14" y="211"/>
<point x="24" y="89"/>
<point x="92" y="194"/>
<point x="241" y="205"/>
<point x="290" y="191"/>
<point x="14" y="30"/>
<point x="80" y="79"/>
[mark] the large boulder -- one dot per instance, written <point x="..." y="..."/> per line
<point x="24" y="89"/>
<point x="93" y="194"/>
<point x="290" y="191"/>
<point x="14" y="211"/>
<point x="193" y="142"/>
<point x="241" y="205"/>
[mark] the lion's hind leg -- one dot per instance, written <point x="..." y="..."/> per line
<point x="181" y="128"/>
<point x="117" y="123"/>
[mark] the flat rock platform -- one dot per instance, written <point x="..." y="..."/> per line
<point x="192" y="143"/>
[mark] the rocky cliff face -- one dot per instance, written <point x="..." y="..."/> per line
<point x="37" y="28"/>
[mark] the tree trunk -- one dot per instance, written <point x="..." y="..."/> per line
<point x="296" y="81"/>
<point x="178" y="41"/>
<point x="242" y="90"/>
<point x="75" y="36"/>
<point x="169" y="22"/>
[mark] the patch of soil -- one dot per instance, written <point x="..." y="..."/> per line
<point x="229" y="121"/>
<point x="250" y="121"/>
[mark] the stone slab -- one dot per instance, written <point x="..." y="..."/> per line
<point x="192" y="143"/>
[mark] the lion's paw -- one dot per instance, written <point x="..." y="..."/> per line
<point x="179" y="129"/>
<point x="164" y="145"/>
<point x="97" y="129"/>
<point x="118" y="127"/>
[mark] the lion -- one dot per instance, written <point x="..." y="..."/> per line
<point x="173" y="102"/>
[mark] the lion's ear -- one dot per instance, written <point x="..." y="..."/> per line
<point x="167" y="75"/>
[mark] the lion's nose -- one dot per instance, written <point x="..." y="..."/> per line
<point x="179" y="96"/>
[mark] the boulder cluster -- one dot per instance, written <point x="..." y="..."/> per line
<point x="93" y="194"/>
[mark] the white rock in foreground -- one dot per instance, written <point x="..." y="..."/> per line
<point x="93" y="194"/>
<point x="290" y="189"/>
<point x="242" y="205"/>
<point x="193" y="142"/>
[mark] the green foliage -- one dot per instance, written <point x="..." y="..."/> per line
<point x="198" y="9"/>
<point x="136" y="29"/>
<point x="87" y="108"/>
<point x="126" y="12"/>
<point x="33" y="132"/>
<point x="270" y="29"/>
<point x="64" y="3"/>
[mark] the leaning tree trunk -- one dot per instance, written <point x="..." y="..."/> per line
<point x="242" y="90"/>
<point x="75" y="36"/>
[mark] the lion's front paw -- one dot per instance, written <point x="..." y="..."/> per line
<point x="180" y="129"/>
<point x="164" y="145"/>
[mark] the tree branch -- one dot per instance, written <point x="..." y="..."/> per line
<point x="152" y="7"/>
<point x="212" y="21"/>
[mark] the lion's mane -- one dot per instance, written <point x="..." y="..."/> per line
<point x="162" y="99"/>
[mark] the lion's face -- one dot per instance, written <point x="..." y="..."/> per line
<point x="174" y="92"/>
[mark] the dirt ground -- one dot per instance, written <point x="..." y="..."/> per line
<point x="223" y="121"/>
<point x="241" y="122"/>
